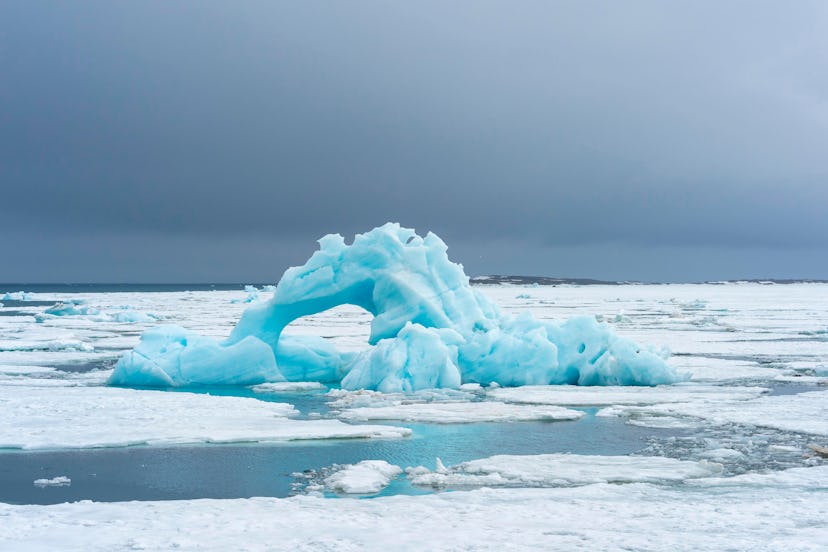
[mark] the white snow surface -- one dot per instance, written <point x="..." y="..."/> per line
<point x="561" y="470"/>
<point x="64" y="417"/>
<point x="801" y="413"/>
<point x="766" y="513"/>
<point x="366" y="477"/>
<point x="460" y="412"/>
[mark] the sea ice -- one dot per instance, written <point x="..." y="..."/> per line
<point x="17" y="296"/>
<point x="71" y="345"/>
<point x="780" y="511"/>
<point x="544" y="470"/>
<point x="801" y="413"/>
<point x="87" y="417"/>
<point x="430" y="328"/>
<point x="59" y="481"/>
<point x="288" y="387"/>
<point x="366" y="477"/>
<point x="460" y="412"/>
<point x="570" y="395"/>
<point x="70" y="308"/>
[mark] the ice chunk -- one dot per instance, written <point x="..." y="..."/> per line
<point x="171" y="356"/>
<point x="77" y="307"/>
<point x="17" y="296"/>
<point x="129" y="315"/>
<point x="430" y="329"/>
<point x="59" y="481"/>
<point x="544" y="470"/>
<point x="252" y="295"/>
<point x="70" y="308"/>
<point x="418" y="358"/>
<point x="366" y="477"/>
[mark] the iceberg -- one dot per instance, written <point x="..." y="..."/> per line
<point x="430" y="329"/>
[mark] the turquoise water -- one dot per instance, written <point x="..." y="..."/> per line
<point x="245" y="470"/>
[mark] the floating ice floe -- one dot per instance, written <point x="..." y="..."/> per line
<point x="71" y="345"/>
<point x="717" y="369"/>
<point x="71" y="417"/>
<point x="460" y="412"/>
<point x="801" y="413"/>
<point x="366" y="477"/>
<point x="571" y="395"/>
<point x="545" y="470"/>
<point x="430" y="328"/>
<point x="78" y="308"/>
<point x="59" y="481"/>
<point x="288" y="387"/>
<point x="71" y="308"/>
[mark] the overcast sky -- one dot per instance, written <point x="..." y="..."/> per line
<point x="204" y="141"/>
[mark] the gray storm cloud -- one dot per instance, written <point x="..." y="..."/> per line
<point x="614" y="140"/>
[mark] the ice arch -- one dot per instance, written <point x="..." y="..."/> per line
<point x="391" y="272"/>
<point x="430" y="329"/>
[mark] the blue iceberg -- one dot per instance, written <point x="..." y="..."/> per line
<point x="430" y="329"/>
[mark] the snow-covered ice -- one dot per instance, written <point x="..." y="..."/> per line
<point x="571" y="395"/>
<point x="784" y="511"/>
<point x="801" y="413"/>
<point x="64" y="417"/>
<point x="560" y="470"/>
<point x="59" y="481"/>
<point x="735" y="339"/>
<point x="366" y="477"/>
<point x="460" y="412"/>
<point x="288" y="387"/>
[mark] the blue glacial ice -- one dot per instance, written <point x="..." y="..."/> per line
<point x="77" y="307"/>
<point x="430" y="329"/>
<point x="17" y="296"/>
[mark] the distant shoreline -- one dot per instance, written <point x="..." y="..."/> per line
<point x="495" y="279"/>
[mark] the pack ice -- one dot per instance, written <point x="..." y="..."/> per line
<point x="430" y="329"/>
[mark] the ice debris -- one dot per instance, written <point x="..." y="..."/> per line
<point x="430" y="329"/>
<point x="77" y="307"/>
<point x="59" y="481"/>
